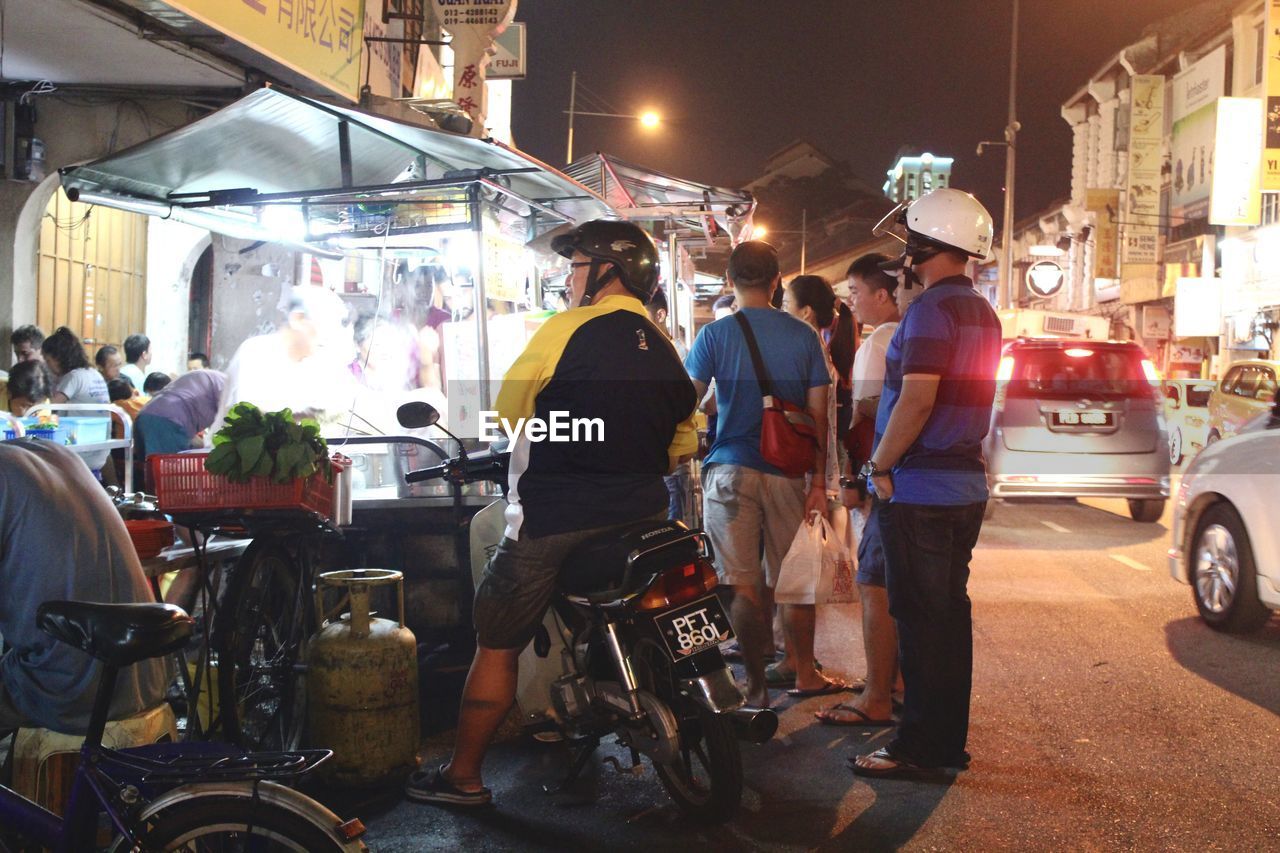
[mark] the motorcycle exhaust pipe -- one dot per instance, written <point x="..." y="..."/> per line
<point x="754" y="725"/>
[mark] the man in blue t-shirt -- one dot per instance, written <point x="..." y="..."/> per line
<point x="745" y="499"/>
<point x="928" y="472"/>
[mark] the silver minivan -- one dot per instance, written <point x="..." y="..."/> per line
<point x="1079" y="419"/>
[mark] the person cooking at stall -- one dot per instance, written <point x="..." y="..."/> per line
<point x="302" y="366"/>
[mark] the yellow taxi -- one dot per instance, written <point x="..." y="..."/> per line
<point x="1247" y="390"/>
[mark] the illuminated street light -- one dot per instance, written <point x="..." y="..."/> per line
<point x="758" y="231"/>
<point x="648" y="119"/>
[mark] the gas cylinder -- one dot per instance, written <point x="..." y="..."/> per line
<point x="362" y="682"/>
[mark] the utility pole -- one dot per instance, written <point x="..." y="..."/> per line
<point x="804" y="237"/>
<point x="573" y="94"/>
<point x="1010" y="138"/>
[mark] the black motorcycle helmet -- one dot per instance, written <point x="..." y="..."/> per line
<point x="618" y="250"/>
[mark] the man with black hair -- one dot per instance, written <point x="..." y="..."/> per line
<point x="109" y="362"/>
<point x="155" y="382"/>
<point x="197" y="361"/>
<point x="747" y="502"/>
<point x="874" y="294"/>
<point x="137" y="355"/>
<point x="26" y="341"/>
<point x="30" y="382"/>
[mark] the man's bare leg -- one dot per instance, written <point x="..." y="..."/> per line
<point x="488" y="696"/>
<point x="880" y="642"/>
<point x="748" y="617"/>
<point x="800" y="622"/>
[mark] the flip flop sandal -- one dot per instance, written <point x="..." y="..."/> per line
<point x="828" y="718"/>
<point x="828" y="689"/>
<point x="900" y="768"/>
<point x="776" y="676"/>
<point x="430" y="786"/>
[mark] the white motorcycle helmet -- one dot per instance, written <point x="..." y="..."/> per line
<point x="943" y="219"/>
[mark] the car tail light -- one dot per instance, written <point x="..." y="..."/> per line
<point x="680" y="585"/>
<point x="1152" y="376"/>
<point x="1005" y="372"/>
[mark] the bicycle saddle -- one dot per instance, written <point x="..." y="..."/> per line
<point x="116" y="634"/>
<point x="597" y="568"/>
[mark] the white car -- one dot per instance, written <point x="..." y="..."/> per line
<point x="1186" y="414"/>
<point x="1226" y="535"/>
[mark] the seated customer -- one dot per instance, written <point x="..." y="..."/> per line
<point x="61" y="539"/>
<point x="30" y="382"/>
<point x="155" y="382"/>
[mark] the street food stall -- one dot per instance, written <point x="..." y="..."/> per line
<point x="421" y="234"/>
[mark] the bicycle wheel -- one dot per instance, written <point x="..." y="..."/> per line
<point x="234" y="823"/>
<point x="260" y="638"/>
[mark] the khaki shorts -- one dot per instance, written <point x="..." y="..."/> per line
<point x="740" y="507"/>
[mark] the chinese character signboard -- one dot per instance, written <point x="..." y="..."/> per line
<point x="1142" y="192"/>
<point x="1106" y="248"/>
<point x="1236" y="198"/>
<point x="319" y="39"/>
<point x="472" y="24"/>
<point x="1195" y="96"/>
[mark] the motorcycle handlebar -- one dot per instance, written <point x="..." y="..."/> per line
<point x="489" y="466"/>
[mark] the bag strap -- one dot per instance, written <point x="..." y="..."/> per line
<point x="762" y="376"/>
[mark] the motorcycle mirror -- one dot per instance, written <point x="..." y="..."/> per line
<point x="417" y="415"/>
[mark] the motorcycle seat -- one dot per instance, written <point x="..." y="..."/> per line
<point x="117" y="634"/>
<point x="597" y="569"/>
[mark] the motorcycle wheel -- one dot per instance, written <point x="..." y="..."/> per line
<point x="705" y="779"/>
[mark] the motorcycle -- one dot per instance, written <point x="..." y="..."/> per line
<point x="630" y="647"/>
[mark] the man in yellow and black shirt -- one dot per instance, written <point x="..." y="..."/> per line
<point x="625" y="405"/>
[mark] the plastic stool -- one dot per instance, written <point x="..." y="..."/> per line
<point x="45" y="761"/>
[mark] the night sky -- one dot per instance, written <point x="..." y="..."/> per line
<point x="736" y="81"/>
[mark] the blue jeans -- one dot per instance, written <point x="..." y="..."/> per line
<point x="927" y="553"/>
<point x="677" y="487"/>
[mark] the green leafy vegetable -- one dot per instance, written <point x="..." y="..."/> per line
<point x="252" y="443"/>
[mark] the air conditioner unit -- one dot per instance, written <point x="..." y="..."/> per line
<point x="1061" y="325"/>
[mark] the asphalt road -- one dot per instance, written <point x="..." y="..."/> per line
<point x="1105" y="716"/>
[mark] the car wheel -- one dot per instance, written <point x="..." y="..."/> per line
<point x="1175" y="446"/>
<point x="1213" y="438"/>
<point x="1147" y="512"/>
<point x="1224" y="579"/>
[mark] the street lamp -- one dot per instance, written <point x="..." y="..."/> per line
<point x="1005" y="297"/>
<point x="648" y="119"/>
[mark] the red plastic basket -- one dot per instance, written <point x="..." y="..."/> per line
<point x="183" y="485"/>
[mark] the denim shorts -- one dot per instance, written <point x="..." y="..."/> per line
<point x="871" y="560"/>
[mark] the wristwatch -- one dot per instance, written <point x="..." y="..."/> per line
<point x="869" y="471"/>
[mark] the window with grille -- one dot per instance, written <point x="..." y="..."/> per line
<point x="92" y="272"/>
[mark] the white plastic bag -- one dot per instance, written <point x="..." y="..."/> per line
<point x="818" y="568"/>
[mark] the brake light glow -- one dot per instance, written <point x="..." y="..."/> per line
<point x="679" y="585"/>
<point x="1077" y="352"/>
<point x="1005" y="372"/>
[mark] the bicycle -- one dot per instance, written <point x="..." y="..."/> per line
<point x="189" y="796"/>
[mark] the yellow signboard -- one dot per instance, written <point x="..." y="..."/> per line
<point x="1106" y="250"/>
<point x="1271" y="154"/>
<point x="319" y="39"/>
